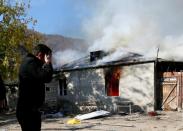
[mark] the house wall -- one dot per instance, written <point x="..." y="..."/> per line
<point x="137" y="85"/>
<point x="52" y="93"/>
<point x="86" y="89"/>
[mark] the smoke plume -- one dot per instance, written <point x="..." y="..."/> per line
<point x="63" y="57"/>
<point x="138" y="26"/>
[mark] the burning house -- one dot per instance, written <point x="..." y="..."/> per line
<point x="127" y="84"/>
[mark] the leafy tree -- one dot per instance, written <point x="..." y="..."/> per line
<point x="14" y="36"/>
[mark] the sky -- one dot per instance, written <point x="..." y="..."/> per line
<point x="64" y="17"/>
<point x="70" y="17"/>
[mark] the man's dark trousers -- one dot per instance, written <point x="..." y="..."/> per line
<point x="29" y="119"/>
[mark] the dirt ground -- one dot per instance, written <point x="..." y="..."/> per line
<point x="164" y="121"/>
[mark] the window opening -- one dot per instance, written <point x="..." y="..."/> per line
<point x="62" y="87"/>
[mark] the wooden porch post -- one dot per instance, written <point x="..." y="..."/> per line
<point x="179" y="90"/>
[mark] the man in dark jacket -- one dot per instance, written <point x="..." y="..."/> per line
<point x="2" y="94"/>
<point x="35" y="70"/>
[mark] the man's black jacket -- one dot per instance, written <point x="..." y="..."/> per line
<point x="2" y="89"/>
<point x="33" y="74"/>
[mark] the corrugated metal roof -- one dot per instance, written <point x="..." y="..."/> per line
<point x="125" y="59"/>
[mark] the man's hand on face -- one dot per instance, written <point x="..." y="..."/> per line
<point x="47" y="58"/>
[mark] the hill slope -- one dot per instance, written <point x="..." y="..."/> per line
<point x="61" y="43"/>
<point x="65" y="49"/>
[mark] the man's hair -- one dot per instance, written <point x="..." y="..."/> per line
<point x="41" y="48"/>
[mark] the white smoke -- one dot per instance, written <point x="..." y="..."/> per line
<point x="140" y="26"/>
<point x="63" y="57"/>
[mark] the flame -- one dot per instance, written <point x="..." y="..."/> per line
<point x="112" y="78"/>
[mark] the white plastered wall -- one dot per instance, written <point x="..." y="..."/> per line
<point x="136" y="85"/>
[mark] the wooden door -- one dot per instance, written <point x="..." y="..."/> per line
<point x="170" y="91"/>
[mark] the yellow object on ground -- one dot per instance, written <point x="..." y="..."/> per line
<point x="73" y="121"/>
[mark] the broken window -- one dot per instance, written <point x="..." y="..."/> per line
<point x="47" y="89"/>
<point x="62" y="87"/>
<point x="112" y="77"/>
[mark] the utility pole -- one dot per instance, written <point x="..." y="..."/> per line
<point x="157" y="53"/>
<point x="156" y="90"/>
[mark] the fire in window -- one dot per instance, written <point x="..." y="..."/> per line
<point x="112" y="77"/>
<point x="62" y="87"/>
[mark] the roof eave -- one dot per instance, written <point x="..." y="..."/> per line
<point x="106" y="65"/>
